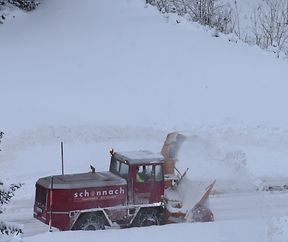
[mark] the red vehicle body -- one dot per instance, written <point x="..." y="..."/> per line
<point x="95" y="200"/>
<point x="131" y="193"/>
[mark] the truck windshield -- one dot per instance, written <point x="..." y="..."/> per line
<point x="114" y="165"/>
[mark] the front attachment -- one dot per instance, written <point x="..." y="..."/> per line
<point x="200" y="212"/>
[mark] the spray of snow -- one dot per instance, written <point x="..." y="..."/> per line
<point x="277" y="229"/>
<point x="208" y="161"/>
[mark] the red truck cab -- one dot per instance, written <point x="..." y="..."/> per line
<point x="148" y="168"/>
<point x="129" y="194"/>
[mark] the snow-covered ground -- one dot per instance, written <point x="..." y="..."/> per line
<point x="114" y="73"/>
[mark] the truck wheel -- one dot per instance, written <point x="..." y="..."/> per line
<point x="147" y="217"/>
<point x="90" y="221"/>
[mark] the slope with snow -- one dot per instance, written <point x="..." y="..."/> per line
<point x="108" y="73"/>
<point x="117" y="62"/>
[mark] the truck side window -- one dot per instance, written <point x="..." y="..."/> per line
<point x="149" y="173"/>
<point x="143" y="173"/>
<point x="41" y="195"/>
<point x="139" y="174"/>
<point x="158" y="173"/>
<point x="123" y="170"/>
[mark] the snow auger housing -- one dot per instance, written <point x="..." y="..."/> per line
<point x="131" y="193"/>
<point x="173" y="177"/>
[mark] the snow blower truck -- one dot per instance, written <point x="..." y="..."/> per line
<point x="131" y="194"/>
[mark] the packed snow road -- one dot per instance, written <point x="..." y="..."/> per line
<point x="233" y="206"/>
<point x="249" y="205"/>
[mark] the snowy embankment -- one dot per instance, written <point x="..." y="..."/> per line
<point x="235" y="230"/>
<point x="101" y="74"/>
<point x="118" y="63"/>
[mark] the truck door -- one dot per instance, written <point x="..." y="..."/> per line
<point x="148" y="184"/>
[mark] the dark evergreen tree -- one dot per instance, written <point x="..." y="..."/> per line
<point x="1" y="136"/>
<point x="26" y="5"/>
<point x="6" y="193"/>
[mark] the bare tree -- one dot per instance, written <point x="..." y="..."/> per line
<point x="270" y="25"/>
<point x="236" y="20"/>
<point x="214" y="13"/>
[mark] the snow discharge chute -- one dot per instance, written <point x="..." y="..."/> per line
<point x="199" y="212"/>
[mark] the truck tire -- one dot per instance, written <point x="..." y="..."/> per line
<point x="90" y="221"/>
<point x="147" y="217"/>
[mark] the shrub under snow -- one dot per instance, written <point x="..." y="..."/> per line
<point x="9" y="232"/>
<point x="27" y="5"/>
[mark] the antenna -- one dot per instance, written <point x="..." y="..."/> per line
<point x="62" y="157"/>
<point x="51" y="203"/>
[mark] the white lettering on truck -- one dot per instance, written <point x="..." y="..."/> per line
<point x="108" y="192"/>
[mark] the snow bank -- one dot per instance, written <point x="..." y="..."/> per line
<point x="118" y="63"/>
<point x="252" y="230"/>
<point x="236" y="231"/>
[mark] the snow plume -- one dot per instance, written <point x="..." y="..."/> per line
<point x="208" y="161"/>
<point x="277" y="229"/>
<point x="190" y="197"/>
